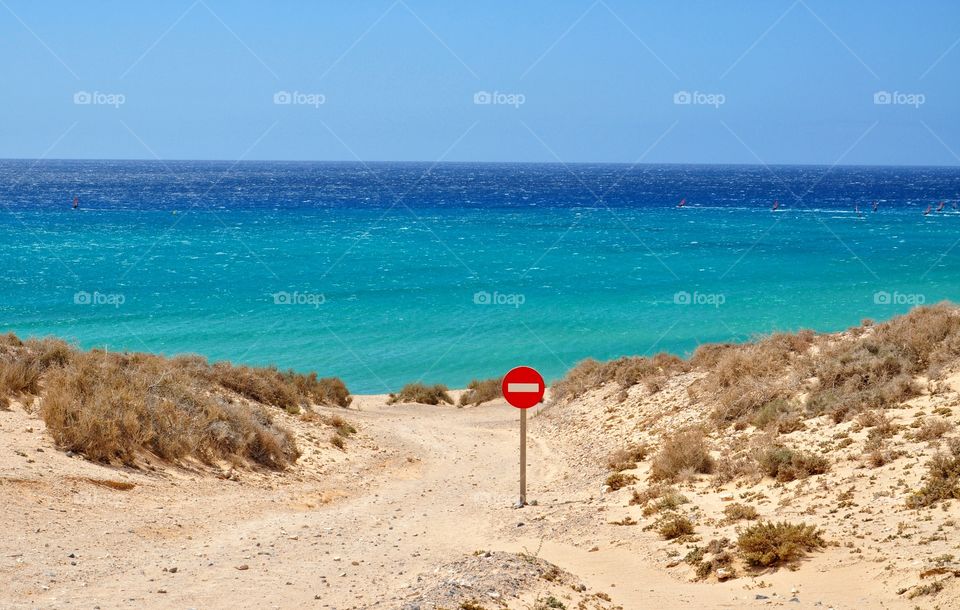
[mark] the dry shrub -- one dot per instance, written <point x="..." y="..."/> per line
<point x="627" y="458"/>
<point x="684" y="453"/>
<point x="479" y="392"/>
<point x="786" y="464"/>
<point x="287" y="390"/>
<point x="619" y="480"/>
<point x="746" y="378"/>
<point x="876" y="454"/>
<point x="652" y="492"/>
<point x="931" y="429"/>
<point x="422" y="393"/>
<point x="876" y="370"/>
<point x="732" y="467"/>
<point x="19" y="377"/>
<point x="674" y="526"/>
<point x="627" y="372"/>
<point x="942" y="481"/>
<point x="670" y="500"/>
<point x="769" y="544"/>
<point x="113" y="406"/>
<point x="330" y="391"/>
<point x="738" y="512"/>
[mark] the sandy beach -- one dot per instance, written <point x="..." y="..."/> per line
<point x="416" y="512"/>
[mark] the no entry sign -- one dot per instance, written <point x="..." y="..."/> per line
<point x="523" y="387"/>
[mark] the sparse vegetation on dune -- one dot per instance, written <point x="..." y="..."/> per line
<point x="114" y="407"/>
<point x="942" y="481"/>
<point x="754" y="377"/>
<point x="422" y="393"/>
<point x="775" y="382"/>
<point x="627" y="458"/>
<point x="111" y="407"/>
<point x="479" y="392"/>
<point x="876" y="369"/>
<point x="626" y="372"/>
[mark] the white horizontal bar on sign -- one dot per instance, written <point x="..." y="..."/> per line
<point x="523" y="387"/>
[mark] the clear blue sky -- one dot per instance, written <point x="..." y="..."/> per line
<point x="398" y="80"/>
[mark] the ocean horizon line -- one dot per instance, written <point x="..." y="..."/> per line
<point x="361" y="162"/>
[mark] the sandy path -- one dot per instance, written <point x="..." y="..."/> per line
<point x="438" y="484"/>
<point x="356" y="552"/>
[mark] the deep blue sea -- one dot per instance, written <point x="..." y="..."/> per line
<point x="388" y="273"/>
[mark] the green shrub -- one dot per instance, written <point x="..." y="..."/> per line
<point x="769" y="544"/>
<point x="737" y="512"/>
<point x="786" y="464"/>
<point x="675" y="526"/>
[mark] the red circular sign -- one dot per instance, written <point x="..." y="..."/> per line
<point x="523" y="387"/>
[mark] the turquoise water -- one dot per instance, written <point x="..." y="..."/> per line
<point x="399" y="272"/>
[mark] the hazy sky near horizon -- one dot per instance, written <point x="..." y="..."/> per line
<point x="782" y="81"/>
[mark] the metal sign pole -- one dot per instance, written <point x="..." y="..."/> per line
<point x="523" y="457"/>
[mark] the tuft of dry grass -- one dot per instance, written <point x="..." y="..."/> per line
<point x="627" y="372"/>
<point x="619" y="480"/>
<point x="942" y="481"/>
<point x="738" y="512"/>
<point x="746" y="378"/>
<point x="288" y="390"/>
<point x="669" y="500"/>
<point x="684" y="453"/>
<point x="479" y="392"/>
<point x="674" y="526"/>
<point x="876" y="369"/>
<point x="112" y="407"/>
<point x="770" y="544"/>
<point x="422" y="393"/>
<point x="627" y="458"/>
<point x="786" y="464"/>
<point x="931" y="429"/>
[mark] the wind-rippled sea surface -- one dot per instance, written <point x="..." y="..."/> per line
<point x="387" y="273"/>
